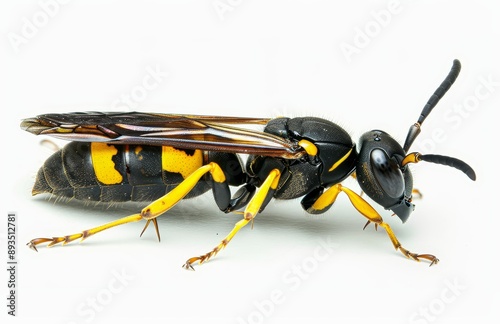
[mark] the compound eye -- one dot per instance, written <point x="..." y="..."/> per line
<point x="388" y="175"/>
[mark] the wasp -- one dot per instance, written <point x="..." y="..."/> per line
<point x="164" y="158"/>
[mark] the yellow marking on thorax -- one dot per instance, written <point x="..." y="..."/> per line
<point x="342" y="159"/>
<point x="178" y="161"/>
<point x="309" y="147"/>
<point x="104" y="166"/>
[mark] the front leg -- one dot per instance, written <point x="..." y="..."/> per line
<point x="371" y="214"/>
<point x="327" y="198"/>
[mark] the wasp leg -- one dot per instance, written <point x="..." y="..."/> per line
<point x="260" y="200"/>
<point x="83" y="235"/>
<point x="371" y="214"/>
<point x="328" y="198"/>
<point x="418" y="194"/>
<point x="50" y="145"/>
<point x="155" y="209"/>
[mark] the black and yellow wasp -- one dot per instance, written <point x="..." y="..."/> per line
<point x="163" y="158"/>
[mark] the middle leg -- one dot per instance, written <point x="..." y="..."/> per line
<point x="258" y="201"/>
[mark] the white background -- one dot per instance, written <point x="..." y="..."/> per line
<point x="259" y="58"/>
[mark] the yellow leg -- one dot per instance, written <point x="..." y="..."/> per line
<point x="149" y="213"/>
<point x="329" y="197"/>
<point x="371" y="214"/>
<point x="253" y="207"/>
<point x="83" y="235"/>
<point x="417" y="194"/>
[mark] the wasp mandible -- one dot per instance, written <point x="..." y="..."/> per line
<point x="164" y="158"/>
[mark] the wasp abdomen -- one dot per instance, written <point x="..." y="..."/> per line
<point x="113" y="173"/>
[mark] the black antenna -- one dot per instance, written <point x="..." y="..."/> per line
<point x="449" y="161"/>
<point x="416" y="157"/>
<point x="431" y="103"/>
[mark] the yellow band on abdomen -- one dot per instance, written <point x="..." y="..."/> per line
<point x="178" y="161"/>
<point x="104" y="166"/>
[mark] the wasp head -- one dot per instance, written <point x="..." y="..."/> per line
<point x="382" y="170"/>
<point x="381" y="175"/>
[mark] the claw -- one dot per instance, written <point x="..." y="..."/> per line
<point x="435" y="261"/>
<point x="205" y="257"/>
<point x="189" y="264"/>
<point x="417" y="257"/>
<point x="429" y="257"/>
<point x="57" y="239"/>
<point x="32" y="246"/>
<point x="34" y="242"/>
